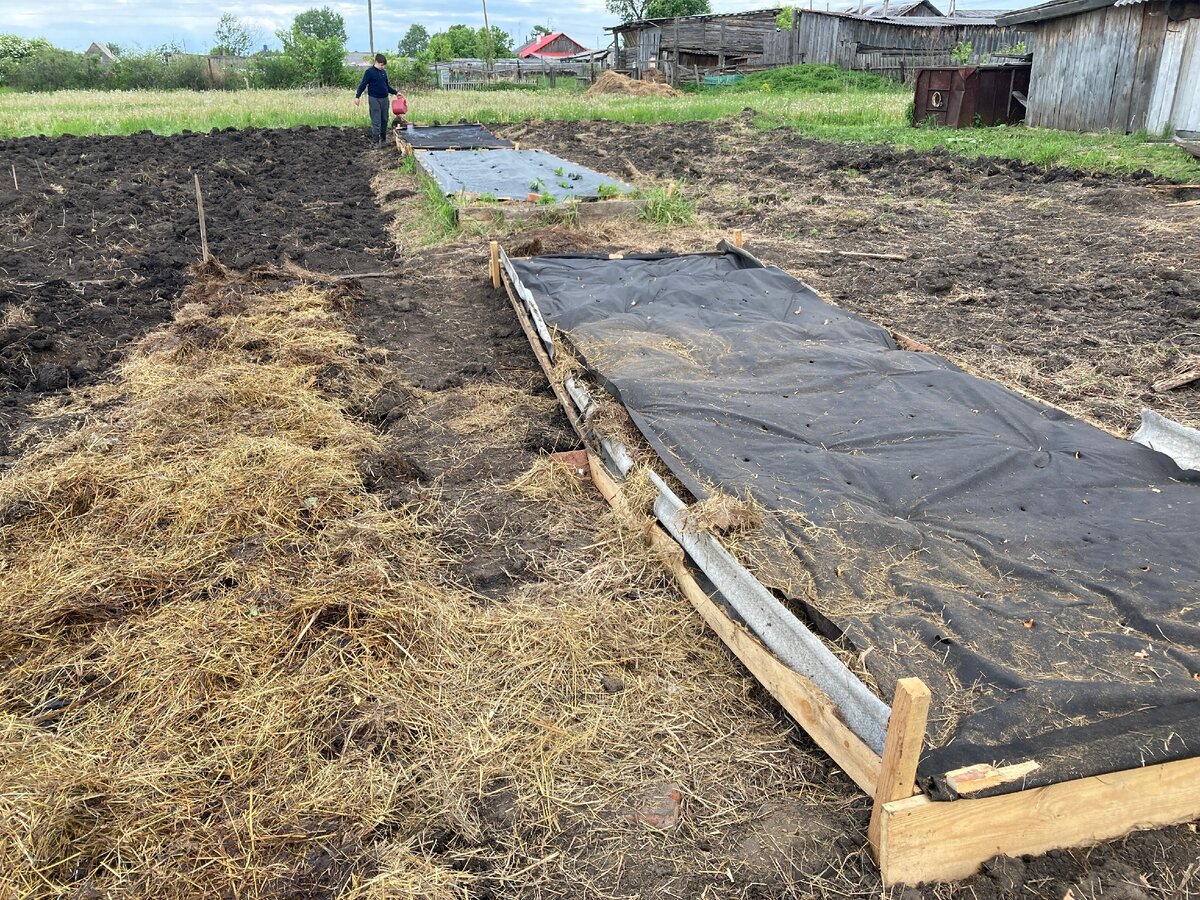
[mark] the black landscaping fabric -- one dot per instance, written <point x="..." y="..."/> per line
<point x="452" y="137"/>
<point x="1041" y="575"/>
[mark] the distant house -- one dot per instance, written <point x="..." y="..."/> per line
<point x="358" y="59"/>
<point x="101" y="52"/>
<point x="1119" y="65"/>
<point x="555" y="45"/>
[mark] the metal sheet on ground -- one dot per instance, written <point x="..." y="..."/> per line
<point x="1039" y="574"/>
<point x="452" y="137"/>
<point x="514" y="174"/>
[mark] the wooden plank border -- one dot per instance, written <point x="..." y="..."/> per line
<point x="812" y="709"/>
<point x="921" y="840"/>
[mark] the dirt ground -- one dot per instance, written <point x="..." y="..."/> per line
<point x="1082" y="290"/>
<point x="96" y="238"/>
<point x="462" y="413"/>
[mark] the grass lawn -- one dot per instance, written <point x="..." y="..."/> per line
<point x="869" y="116"/>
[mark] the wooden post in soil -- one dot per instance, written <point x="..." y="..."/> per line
<point x="494" y="264"/>
<point x="739" y="238"/>
<point x="901" y="750"/>
<point x="203" y="227"/>
<point x="14" y="171"/>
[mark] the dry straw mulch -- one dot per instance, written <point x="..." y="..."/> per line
<point x="227" y="670"/>
<point x="616" y="83"/>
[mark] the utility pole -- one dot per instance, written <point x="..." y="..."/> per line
<point x="491" y="51"/>
<point x="371" y="30"/>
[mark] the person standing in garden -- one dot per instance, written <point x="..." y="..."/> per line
<point x="375" y="83"/>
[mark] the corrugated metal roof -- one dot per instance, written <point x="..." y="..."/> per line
<point x="877" y="9"/>
<point x="636" y="23"/>
<point x="908" y="21"/>
<point x="1057" y="9"/>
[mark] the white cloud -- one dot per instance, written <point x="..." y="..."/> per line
<point x="148" y="23"/>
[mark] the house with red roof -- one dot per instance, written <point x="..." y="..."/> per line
<point x="555" y="45"/>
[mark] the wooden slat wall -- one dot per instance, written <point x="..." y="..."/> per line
<point x="734" y="35"/>
<point x="1116" y="68"/>
<point x="1175" y="99"/>
<point x="902" y="49"/>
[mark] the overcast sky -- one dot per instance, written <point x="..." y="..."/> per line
<point x="148" y="23"/>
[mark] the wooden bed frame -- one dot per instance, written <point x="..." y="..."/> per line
<point x="915" y="839"/>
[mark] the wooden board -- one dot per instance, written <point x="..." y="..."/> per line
<point x="594" y="211"/>
<point x="925" y="841"/>
<point x="805" y="702"/>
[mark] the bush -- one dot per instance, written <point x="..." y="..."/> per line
<point x="817" y="79"/>
<point x="145" y="72"/>
<point x="412" y="73"/>
<point x="51" y="69"/>
<point x="275" y="71"/>
<point x="14" y="49"/>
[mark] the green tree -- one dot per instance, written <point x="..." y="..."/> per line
<point x="631" y="10"/>
<point x="320" y="59"/>
<point x="439" y="48"/>
<point x="669" y="9"/>
<point x="627" y="10"/>
<point x="464" y="42"/>
<point x="233" y="37"/>
<point x="323" y="24"/>
<point x="501" y="45"/>
<point x="14" y="49"/>
<point x="414" y="42"/>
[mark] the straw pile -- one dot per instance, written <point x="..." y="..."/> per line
<point x="229" y="671"/>
<point x="616" y="83"/>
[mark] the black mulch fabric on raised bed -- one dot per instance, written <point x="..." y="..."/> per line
<point x="452" y="137"/>
<point x="1038" y="573"/>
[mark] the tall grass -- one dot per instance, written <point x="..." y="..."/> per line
<point x="856" y="114"/>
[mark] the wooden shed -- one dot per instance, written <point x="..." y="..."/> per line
<point x="688" y="43"/>
<point x="895" y="46"/>
<point x="1119" y="65"/>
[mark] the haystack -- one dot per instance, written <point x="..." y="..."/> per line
<point x="616" y="83"/>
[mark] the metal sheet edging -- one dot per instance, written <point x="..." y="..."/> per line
<point x="766" y="617"/>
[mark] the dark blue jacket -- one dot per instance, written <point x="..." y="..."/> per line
<point x="375" y="83"/>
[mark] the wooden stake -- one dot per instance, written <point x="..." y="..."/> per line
<point x="893" y="257"/>
<point x="14" y="171"/>
<point x="1178" y="380"/>
<point x="901" y="750"/>
<point x="739" y="237"/>
<point x="494" y="264"/>
<point x="203" y="227"/>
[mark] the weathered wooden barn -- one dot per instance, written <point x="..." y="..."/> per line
<point x="909" y="36"/>
<point x="1119" y="65"/>
<point x="693" y="42"/>
<point x="894" y="45"/>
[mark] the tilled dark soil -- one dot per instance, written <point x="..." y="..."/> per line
<point x="1081" y="289"/>
<point x="97" y="237"/>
